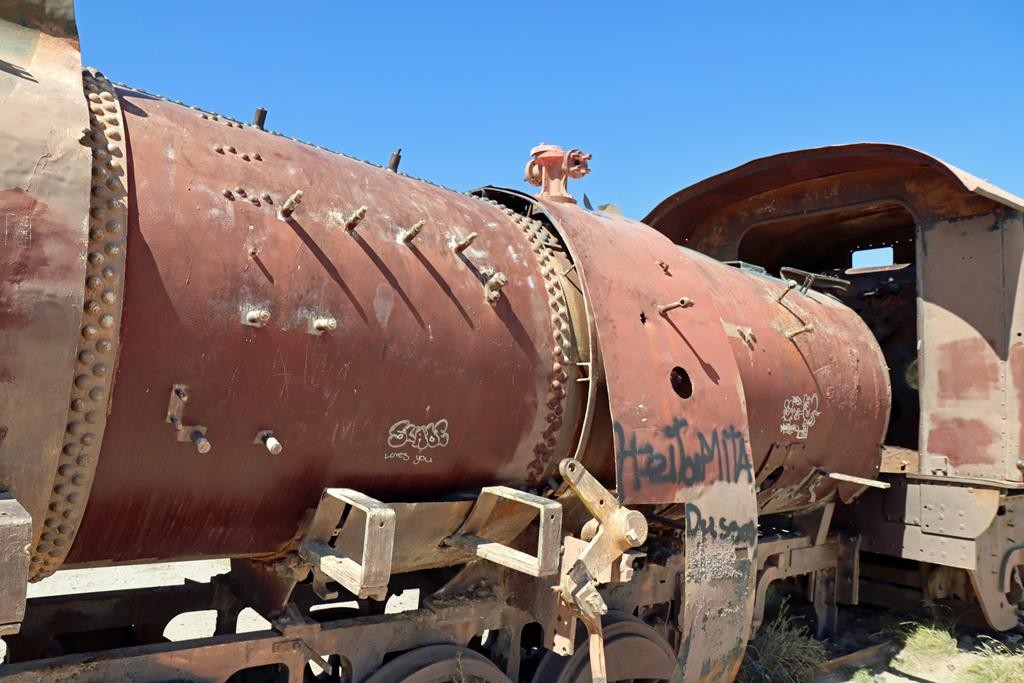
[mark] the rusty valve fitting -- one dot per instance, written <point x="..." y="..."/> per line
<point x="357" y="216"/>
<point x="286" y="210"/>
<point x="685" y="302"/>
<point x="201" y="442"/>
<point x="410" y="234"/>
<point x="463" y="244"/>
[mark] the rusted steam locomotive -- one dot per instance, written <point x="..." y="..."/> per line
<point x="589" y="443"/>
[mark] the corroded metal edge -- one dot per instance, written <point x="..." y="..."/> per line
<point x="99" y="334"/>
<point x="563" y="337"/>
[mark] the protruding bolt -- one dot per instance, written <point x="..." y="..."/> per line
<point x="181" y="394"/>
<point x="492" y="288"/>
<point x="272" y="444"/>
<point x="800" y="330"/>
<point x="410" y="234"/>
<point x="357" y="216"/>
<point x="790" y="286"/>
<point x="257" y="316"/>
<point x="464" y="243"/>
<point x="259" y="118"/>
<point x="685" y="302"/>
<point x="325" y="324"/>
<point x="175" y="423"/>
<point x="201" y="442"/>
<point x="286" y="210"/>
<point x="395" y="160"/>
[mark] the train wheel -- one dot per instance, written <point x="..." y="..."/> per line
<point x="439" y="664"/>
<point x="633" y="652"/>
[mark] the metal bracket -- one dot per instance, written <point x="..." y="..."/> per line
<point x="365" y="579"/>
<point x="543" y="563"/>
<point x="15" y="541"/>
<point x="613" y="532"/>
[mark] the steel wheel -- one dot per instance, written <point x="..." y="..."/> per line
<point x="439" y="664"/>
<point x="633" y="652"/>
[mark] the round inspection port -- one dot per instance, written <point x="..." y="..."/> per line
<point x="681" y="383"/>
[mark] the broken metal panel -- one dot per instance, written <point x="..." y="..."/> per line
<point x="970" y="421"/>
<point x="658" y="429"/>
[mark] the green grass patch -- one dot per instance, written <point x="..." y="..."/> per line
<point x="782" y="652"/>
<point x="995" y="663"/>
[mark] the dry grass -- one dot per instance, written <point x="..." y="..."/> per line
<point x="782" y="652"/>
<point x="995" y="663"/>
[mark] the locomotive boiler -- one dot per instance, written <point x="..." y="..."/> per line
<point x="576" y="435"/>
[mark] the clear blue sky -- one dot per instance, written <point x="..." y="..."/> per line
<point x="662" y="94"/>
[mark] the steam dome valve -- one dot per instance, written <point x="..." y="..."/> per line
<point x="550" y="168"/>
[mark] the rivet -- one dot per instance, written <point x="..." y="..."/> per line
<point x="93" y="282"/>
<point x="409" y="235"/>
<point x="266" y="197"/>
<point x="227" y="193"/>
<point x="78" y="405"/>
<point x="232" y="150"/>
<point x="103" y="345"/>
<point x="95" y="258"/>
<point x="82" y="381"/>
<point x="257" y="156"/>
<point x="96" y="393"/>
<point x="464" y="243"/>
<point x="110" y="274"/>
<point x="108" y="297"/>
<point x="114" y="226"/>
<point x="92" y="307"/>
<point x="71" y="449"/>
<point x="286" y="210"/>
<point x="75" y="427"/>
<point x="92" y="417"/>
<point x="89" y="331"/>
<point x="218" y="149"/>
<point x="113" y="250"/>
<point x="245" y="157"/>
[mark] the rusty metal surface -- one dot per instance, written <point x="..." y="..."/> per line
<point x="44" y="208"/>
<point x="423" y="387"/>
<point x="712" y="215"/>
<point x="816" y="400"/>
<point x="98" y="339"/>
<point x="659" y="433"/>
<point x="971" y="355"/>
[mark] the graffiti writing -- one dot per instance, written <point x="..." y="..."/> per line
<point x="721" y="528"/>
<point x="420" y="437"/>
<point x="799" y="413"/>
<point x="722" y="452"/>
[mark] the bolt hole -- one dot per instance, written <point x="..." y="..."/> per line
<point x="380" y="524"/>
<point x="643" y="318"/>
<point x="681" y="383"/>
<point x="601" y="502"/>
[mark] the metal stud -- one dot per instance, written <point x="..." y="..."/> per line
<point x="492" y="288"/>
<point x="201" y="442"/>
<point x="409" y="235"/>
<point x="257" y="317"/>
<point x="259" y="118"/>
<point x="357" y="216"/>
<point x="463" y="244"/>
<point x="685" y="302"/>
<point x="325" y="324"/>
<point x="395" y="160"/>
<point x="270" y="441"/>
<point x="286" y="210"/>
